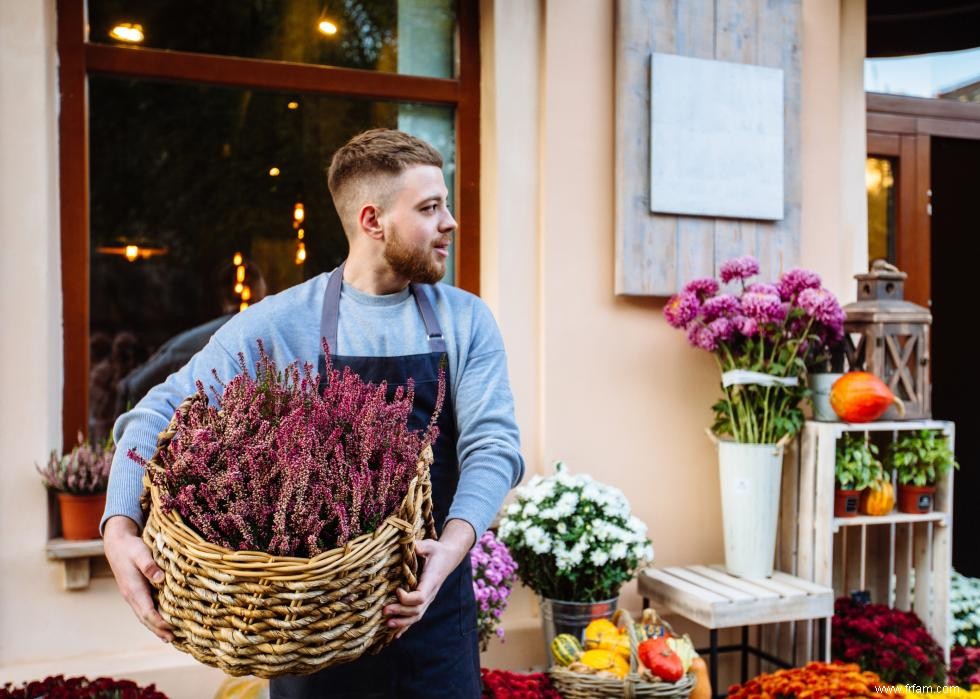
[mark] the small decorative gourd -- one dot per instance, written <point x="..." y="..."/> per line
<point x="566" y="649"/>
<point x="859" y="396"/>
<point x="878" y="500"/>
<point x="605" y="660"/>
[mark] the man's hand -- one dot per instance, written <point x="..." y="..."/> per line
<point x="441" y="558"/>
<point x="133" y="566"/>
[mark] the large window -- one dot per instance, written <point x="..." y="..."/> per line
<point x="194" y="142"/>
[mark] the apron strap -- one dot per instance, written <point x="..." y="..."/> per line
<point x="330" y="317"/>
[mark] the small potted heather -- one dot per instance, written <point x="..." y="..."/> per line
<point x="80" y="479"/>
<point x="920" y="459"/>
<point x="317" y="491"/>
<point x="494" y="575"/>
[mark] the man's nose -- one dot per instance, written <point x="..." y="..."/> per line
<point x="448" y="223"/>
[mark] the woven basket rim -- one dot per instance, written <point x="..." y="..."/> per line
<point x="262" y="559"/>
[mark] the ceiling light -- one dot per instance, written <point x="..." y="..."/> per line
<point x="327" y="27"/>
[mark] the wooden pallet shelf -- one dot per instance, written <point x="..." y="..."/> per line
<point x="903" y="560"/>
<point x="940" y="518"/>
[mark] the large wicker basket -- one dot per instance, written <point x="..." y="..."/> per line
<point x="251" y="613"/>
<point x="577" y="685"/>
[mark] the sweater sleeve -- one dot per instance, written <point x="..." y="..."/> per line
<point x="488" y="445"/>
<point x="139" y="428"/>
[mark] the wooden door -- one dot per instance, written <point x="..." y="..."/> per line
<point x="898" y="183"/>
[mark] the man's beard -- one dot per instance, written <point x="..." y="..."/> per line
<point x="416" y="264"/>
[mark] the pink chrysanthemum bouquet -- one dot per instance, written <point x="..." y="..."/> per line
<point x="276" y="464"/>
<point x="763" y="336"/>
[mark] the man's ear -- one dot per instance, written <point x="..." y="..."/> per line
<point x="369" y="220"/>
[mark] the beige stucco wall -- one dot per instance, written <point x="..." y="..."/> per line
<point x="603" y="382"/>
<point x="599" y="381"/>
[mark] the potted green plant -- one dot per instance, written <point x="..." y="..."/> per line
<point x="80" y="479"/>
<point x="920" y="459"/>
<point x="857" y="467"/>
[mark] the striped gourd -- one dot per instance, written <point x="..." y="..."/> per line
<point x="566" y="649"/>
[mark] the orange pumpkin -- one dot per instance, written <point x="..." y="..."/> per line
<point x="860" y="396"/>
<point x="702" y="683"/>
<point x="878" y="500"/>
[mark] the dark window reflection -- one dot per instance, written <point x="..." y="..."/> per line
<point x="408" y="36"/>
<point x="204" y="199"/>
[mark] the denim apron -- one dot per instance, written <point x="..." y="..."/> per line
<point x="438" y="657"/>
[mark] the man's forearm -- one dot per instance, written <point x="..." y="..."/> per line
<point x="459" y="535"/>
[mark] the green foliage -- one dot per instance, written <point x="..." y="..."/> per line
<point x="762" y="414"/>
<point x="922" y="457"/>
<point x="857" y="466"/>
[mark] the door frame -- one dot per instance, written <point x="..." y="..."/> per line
<point x="902" y="128"/>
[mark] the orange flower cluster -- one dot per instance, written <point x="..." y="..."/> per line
<point x="815" y="681"/>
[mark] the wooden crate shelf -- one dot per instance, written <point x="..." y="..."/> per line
<point x="903" y="560"/>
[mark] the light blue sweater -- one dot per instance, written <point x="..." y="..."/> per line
<point x="389" y="325"/>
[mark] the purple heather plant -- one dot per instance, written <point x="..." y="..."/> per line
<point x="83" y="471"/>
<point x="777" y="329"/>
<point x="494" y="574"/>
<point x="277" y="465"/>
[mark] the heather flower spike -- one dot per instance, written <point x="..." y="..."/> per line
<point x="282" y="463"/>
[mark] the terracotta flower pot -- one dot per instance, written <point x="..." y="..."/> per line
<point x="846" y="502"/>
<point x="80" y="515"/>
<point x="915" y="499"/>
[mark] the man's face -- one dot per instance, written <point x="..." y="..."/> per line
<point x="418" y="225"/>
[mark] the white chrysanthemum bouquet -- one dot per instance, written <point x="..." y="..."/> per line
<point x="573" y="538"/>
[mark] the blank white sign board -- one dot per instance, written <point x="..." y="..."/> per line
<point x="716" y="138"/>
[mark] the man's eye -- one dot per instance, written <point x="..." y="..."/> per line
<point x="430" y="208"/>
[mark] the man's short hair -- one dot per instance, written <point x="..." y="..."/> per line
<point x="368" y="159"/>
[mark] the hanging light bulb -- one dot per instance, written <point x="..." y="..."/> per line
<point x="327" y="28"/>
<point x="237" y="259"/>
<point x="246" y="293"/>
<point x="132" y="252"/>
<point x="242" y="306"/>
<point x="300" y="234"/>
<point x="299" y="212"/>
<point x="300" y="253"/>
<point x="240" y="273"/>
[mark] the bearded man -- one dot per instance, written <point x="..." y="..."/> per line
<point x="385" y="315"/>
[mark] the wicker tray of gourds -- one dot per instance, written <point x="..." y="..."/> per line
<point x="616" y="657"/>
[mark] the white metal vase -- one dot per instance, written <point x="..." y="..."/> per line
<point x="751" y="475"/>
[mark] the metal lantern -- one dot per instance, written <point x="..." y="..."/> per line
<point x="889" y="337"/>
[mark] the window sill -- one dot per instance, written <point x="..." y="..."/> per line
<point x="76" y="560"/>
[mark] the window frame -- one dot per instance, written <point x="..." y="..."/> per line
<point x="79" y="58"/>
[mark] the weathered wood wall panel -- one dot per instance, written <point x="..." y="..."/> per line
<point x="657" y="253"/>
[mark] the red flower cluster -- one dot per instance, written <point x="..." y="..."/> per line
<point x="276" y="465"/>
<point x="887" y="641"/>
<point x="60" y="687"/>
<point x="500" y="684"/>
<point x="964" y="666"/>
